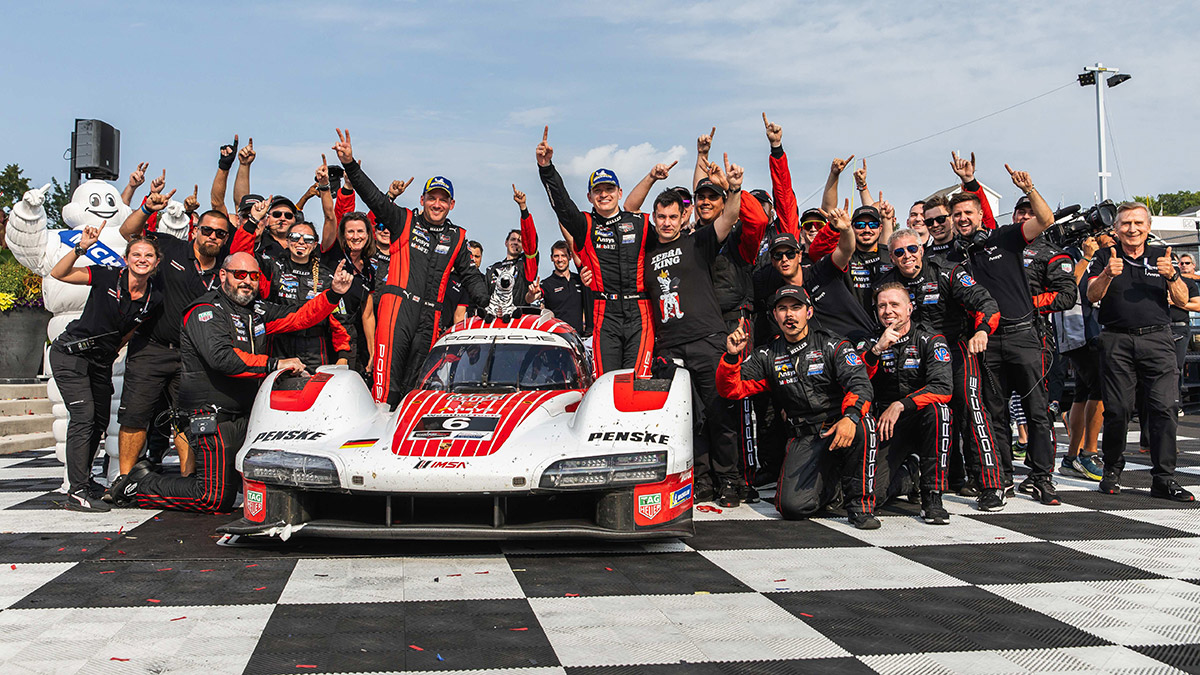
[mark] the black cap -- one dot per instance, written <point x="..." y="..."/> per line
<point x="867" y="213"/>
<point x="1022" y="203"/>
<point x="248" y="202"/>
<point x="797" y="293"/>
<point x="280" y="199"/>
<point x="706" y="184"/>
<point x="761" y="195"/>
<point x="784" y="239"/>
<point x="813" y="214"/>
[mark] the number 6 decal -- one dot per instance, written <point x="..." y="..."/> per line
<point x="456" y="423"/>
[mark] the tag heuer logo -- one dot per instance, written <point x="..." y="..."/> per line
<point x="254" y="502"/>
<point x="650" y="505"/>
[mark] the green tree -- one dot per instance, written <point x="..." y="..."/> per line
<point x="12" y="185"/>
<point x="1170" y="204"/>
<point x="58" y="197"/>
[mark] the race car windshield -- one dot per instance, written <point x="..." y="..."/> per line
<point x="505" y="366"/>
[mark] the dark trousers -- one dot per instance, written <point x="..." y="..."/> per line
<point x="973" y="447"/>
<point x="621" y="339"/>
<point x="815" y="477"/>
<point x="1013" y="362"/>
<point x="87" y="390"/>
<point x="213" y="487"/>
<point x="1145" y="364"/>
<point x="924" y="432"/>
<point x="714" y="453"/>
<point x="737" y="423"/>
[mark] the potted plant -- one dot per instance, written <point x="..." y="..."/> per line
<point x="23" y="319"/>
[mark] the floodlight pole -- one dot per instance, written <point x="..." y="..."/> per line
<point x="1099" y="84"/>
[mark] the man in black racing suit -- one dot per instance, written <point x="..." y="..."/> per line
<point x="821" y="385"/>
<point x="223" y="355"/>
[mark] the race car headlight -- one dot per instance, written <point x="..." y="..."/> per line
<point x="606" y="471"/>
<point x="277" y="467"/>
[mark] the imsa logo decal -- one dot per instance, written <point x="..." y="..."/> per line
<point x="650" y="505"/>
<point x="431" y="464"/>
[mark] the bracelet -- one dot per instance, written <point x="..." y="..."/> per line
<point x="323" y="188"/>
<point x="1030" y="190"/>
<point x="734" y="191"/>
<point x="146" y="210"/>
<point x="1086" y="260"/>
<point x="1174" y="278"/>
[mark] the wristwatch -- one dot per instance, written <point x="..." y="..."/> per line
<point x="80" y="251"/>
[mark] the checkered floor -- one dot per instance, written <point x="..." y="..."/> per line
<point x="1100" y="584"/>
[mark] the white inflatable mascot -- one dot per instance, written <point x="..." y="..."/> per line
<point x="39" y="248"/>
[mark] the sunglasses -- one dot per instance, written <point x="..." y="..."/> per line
<point x="381" y="227"/>
<point x="214" y="232"/>
<point x="285" y="215"/>
<point x="936" y="219"/>
<point x="812" y="224"/>
<point x="304" y="238"/>
<point x="241" y="275"/>
<point x="780" y="255"/>
<point x="866" y="224"/>
<point x="911" y="248"/>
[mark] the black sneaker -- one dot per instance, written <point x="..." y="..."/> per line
<point x="863" y="521"/>
<point x="912" y="464"/>
<point x="728" y="496"/>
<point x="122" y="491"/>
<point x="1110" y="484"/>
<point x="968" y="490"/>
<point x="748" y="494"/>
<point x="82" y="500"/>
<point x="1026" y="486"/>
<point x="932" y="511"/>
<point x="1044" y="492"/>
<point x="991" y="499"/>
<point x="703" y="493"/>
<point x="1171" y="490"/>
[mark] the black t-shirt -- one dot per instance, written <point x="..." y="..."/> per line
<point x="569" y="299"/>
<point x="182" y="282"/>
<point x="678" y="278"/>
<point x="1138" y="297"/>
<point x="998" y="263"/>
<point x="451" y="300"/>
<point x="110" y="313"/>
<point x="1179" y="314"/>
<point x="293" y="283"/>
<point x="864" y="270"/>
<point x="835" y="308"/>
<point x="349" y="310"/>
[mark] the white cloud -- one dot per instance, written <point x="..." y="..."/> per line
<point x="630" y="164"/>
<point x="533" y="117"/>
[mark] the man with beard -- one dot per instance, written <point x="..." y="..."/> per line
<point x="947" y="301"/>
<point x="425" y="248"/>
<point x="513" y="282"/>
<point x="152" y="367"/>
<point x="872" y="224"/>
<point x="910" y="375"/>
<point x="223" y="342"/>
<point x="820" y="384"/>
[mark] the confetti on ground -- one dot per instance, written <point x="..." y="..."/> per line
<point x="483" y="572"/>
<point x="571" y="595"/>
<point x="454" y="575"/>
<point x="153" y="600"/>
<point x="109" y="572"/>
<point x="205" y="570"/>
<point x="252" y="565"/>
<point x="13" y="566"/>
<point x="416" y="648"/>
<point x="179" y="618"/>
<point x="261" y="588"/>
<point x="440" y="657"/>
<point x="518" y="629"/>
<point x="164" y="569"/>
<point x="117" y="658"/>
<point x="608" y="568"/>
<point x="779" y="581"/>
<point x="702" y="593"/>
<point x="305" y="665"/>
<point x="808" y="615"/>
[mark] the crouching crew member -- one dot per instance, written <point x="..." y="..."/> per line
<point x="821" y="385"/>
<point x="912" y="379"/>
<point x="223" y="348"/>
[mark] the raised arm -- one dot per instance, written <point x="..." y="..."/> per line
<point x="829" y="198"/>
<point x="637" y="196"/>
<point x="839" y="219"/>
<point x="220" y="184"/>
<point x="965" y="170"/>
<point x="887" y="221"/>
<point x="136" y="222"/>
<point x="328" y="208"/>
<point x="786" y="209"/>
<point x="241" y="182"/>
<point x="1043" y="216"/>
<point x="737" y="378"/>
<point x="860" y="184"/>
<point x="529" y="242"/>
<point x="731" y="181"/>
<point x="395" y="217"/>
<point x="66" y="271"/>
<point x="135" y="180"/>
<point x="574" y="222"/>
<point x="703" y="146"/>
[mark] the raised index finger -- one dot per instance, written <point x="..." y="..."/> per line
<point x="1009" y="168"/>
<point x="172" y="194"/>
<point x="546" y="133"/>
<point x="672" y="165"/>
<point x="765" y="122"/>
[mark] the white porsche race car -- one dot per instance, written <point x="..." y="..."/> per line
<point x="505" y="436"/>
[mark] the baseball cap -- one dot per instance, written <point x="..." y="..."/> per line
<point x="280" y="199"/>
<point x="707" y="184"/>
<point x="602" y="176"/>
<point x="867" y="213"/>
<point x="439" y="183"/>
<point x="761" y="195"/>
<point x="784" y="239"/>
<point x="797" y="293"/>
<point x="813" y="214"/>
<point x="248" y="201"/>
<point x="1022" y="203"/>
<point x="683" y="193"/>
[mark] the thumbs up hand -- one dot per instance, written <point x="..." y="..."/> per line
<point x="1116" y="264"/>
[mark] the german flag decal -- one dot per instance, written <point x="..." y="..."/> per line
<point x="361" y="443"/>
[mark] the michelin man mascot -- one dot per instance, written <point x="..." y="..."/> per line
<point x="39" y="248"/>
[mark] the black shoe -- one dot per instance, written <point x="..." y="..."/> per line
<point x="81" y="500"/>
<point x="728" y="496"/>
<point x="1026" y="486"/>
<point x="863" y="521"/>
<point x="969" y="490"/>
<point x="991" y="499"/>
<point x="932" y="511"/>
<point x="913" y="465"/>
<point x="1171" y="490"/>
<point x="122" y="491"/>
<point x="748" y="494"/>
<point x="1044" y="492"/>
<point x="1110" y="484"/>
<point x="704" y="492"/>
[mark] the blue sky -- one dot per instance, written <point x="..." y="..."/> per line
<point x="463" y="89"/>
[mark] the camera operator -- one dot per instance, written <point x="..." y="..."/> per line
<point x="82" y="356"/>
<point x="224" y="339"/>
<point x="1135" y="285"/>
